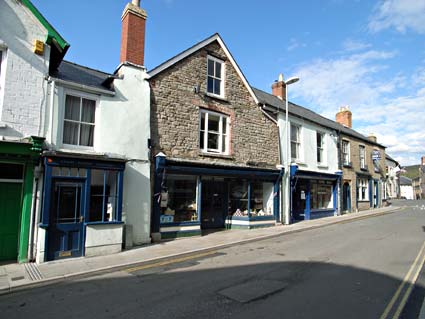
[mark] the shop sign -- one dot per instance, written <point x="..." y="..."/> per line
<point x="376" y="155"/>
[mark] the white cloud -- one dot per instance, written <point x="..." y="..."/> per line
<point x="399" y="14"/>
<point x="355" y="45"/>
<point x="295" y="44"/>
<point x="379" y="106"/>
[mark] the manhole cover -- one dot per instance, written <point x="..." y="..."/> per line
<point x="253" y="290"/>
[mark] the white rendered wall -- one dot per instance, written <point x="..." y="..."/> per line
<point x="103" y="239"/>
<point x="308" y="147"/>
<point x="23" y="93"/>
<point x="406" y="191"/>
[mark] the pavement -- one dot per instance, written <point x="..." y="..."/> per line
<point x="15" y="277"/>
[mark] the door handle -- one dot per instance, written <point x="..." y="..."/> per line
<point x="81" y="219"/>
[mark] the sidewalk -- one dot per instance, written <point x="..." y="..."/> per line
<point x="14" y="277"/>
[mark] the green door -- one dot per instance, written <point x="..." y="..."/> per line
<point x="10" y="211"/>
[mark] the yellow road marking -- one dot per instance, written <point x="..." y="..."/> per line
<point x="168" y="262"/>
<point x="406" y="278"/>
<point x="409" y="290"/>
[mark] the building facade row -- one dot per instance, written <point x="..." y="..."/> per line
<point x="92" y="162"/>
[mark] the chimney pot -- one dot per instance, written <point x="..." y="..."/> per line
<point x="279" y="87"/>
<point x="136" y="3"/>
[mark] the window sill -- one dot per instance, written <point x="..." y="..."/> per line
<point x="298" y="162"/>
<point x="217" y="97"/>
<point x="363" y="201"/>
<point x="104" y="223"/>
<point x="216" y="155"/>
<point x="347" y="165"/>
<point x="323" y="166"/>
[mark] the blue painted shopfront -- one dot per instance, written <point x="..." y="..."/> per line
<point x="78" y="192"/>
<point x="192" y="197"/>
<point x="313" y="195"/>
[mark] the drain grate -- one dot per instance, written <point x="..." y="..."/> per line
<point x="33" y="271"/>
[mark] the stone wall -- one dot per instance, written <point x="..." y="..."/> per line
<point x="175" y="119"/>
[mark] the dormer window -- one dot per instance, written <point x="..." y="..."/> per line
<point x="215" y="78"/>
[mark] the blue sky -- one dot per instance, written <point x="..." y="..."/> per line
<point x="369" y="55"/>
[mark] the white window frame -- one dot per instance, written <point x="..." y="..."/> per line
<point x="81" y="95"/>
<point x="298" y="141"/>
<point x="362" y="157"/>
<point x="363" y="185"/>
<point x="3" y="51"/>
<point x="220" y="139"/>
<point x="346" y="161"/>
<point x="216" y="60"/>
<point x="322" y="148"/>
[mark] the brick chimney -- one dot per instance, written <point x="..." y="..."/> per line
<point x="279" y="88"/>
<point x="133" y="34"/>
<point x="372" y="138"/>
<point x="344" y="116"/>
<point x="423" y="160"/>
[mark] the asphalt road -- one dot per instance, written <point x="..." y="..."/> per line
<point x="348" y="270"/>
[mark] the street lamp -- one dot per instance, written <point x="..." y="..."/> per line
<point x="287" y="154"/>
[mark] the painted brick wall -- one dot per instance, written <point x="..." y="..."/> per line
<point x="176" y="109"/>
<point x="24" y="89"/>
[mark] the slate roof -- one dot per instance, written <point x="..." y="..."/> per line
<point x="304" y="113"/>
<point x="79" y="74"/>
<point x="405" y="180"/>
<point x="391" y="159"/>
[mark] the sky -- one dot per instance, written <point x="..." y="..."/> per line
<point x="368" y="55"/>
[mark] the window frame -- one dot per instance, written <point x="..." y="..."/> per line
<point x="363" y="189"/>
<point x="362" y="156"/>
<point x="298" y="141"/>
<point x="214" y="77"/>
<point x="205" y="131"/>
<point x="346" y="154"/>
<point x="3" y="57"/>
<point x="321" y="149"/>
<point x="81" y="96"/>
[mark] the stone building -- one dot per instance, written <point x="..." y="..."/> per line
<point x="363" y="167"/>
<point x="215" y="150"/>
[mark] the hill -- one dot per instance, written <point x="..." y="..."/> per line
<point x="412" y="171"/>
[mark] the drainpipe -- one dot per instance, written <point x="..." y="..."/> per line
<point x="37" y="171"/>
<point x="52" y="99"/>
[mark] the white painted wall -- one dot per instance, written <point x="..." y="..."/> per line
<point x="103" y="239"/>
<point x="22" y="85"/>
<point x="406" y="191"/>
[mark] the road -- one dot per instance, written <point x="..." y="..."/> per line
<point x="359" y="269"/>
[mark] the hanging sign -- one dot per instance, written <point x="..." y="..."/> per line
<point x="376" y="155"/>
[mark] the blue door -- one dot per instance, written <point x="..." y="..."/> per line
<point x="65" y="236"/>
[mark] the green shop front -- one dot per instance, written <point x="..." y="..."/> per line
<point x="18" y="160"/>
<point x="190" y="198"/>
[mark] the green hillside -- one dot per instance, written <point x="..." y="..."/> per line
<point x="412" y="171"/>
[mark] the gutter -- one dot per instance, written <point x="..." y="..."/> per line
<point x="83" y="87"/>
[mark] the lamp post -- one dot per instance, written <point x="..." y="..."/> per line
<point x="287" y="154"/>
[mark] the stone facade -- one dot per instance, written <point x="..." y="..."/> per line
<point x="353" y="171"/>
<point x="175" y="114"/>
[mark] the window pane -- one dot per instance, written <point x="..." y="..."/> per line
<point x="201" y="140"/>
<point x="72" y="108"/>
<point x="86" y="135"/>
<point x="319" y="140"/>
<point x="210" y="85"/>
<point x="319" y="155"/>
<point x="238" y="198"/>
<point x="178" y="199"/>
<point x="210" y="67"/>
<point x="97" y="204"/>
<point x="202" y="121"/>
<point x="88" y="110"/>
<point x="213" y="123"/>
<point x="294" y="150"/>
<point x="218" y="70"/>
<point x="217" y="87"/>
<point x="67" y="203"/>
<point x="223" y="144"/>
<point x="11" y="171"/>
<point x="294" y="133"/>
<point x="70" y="133"/>
<point x="224" y="125"/>
<point x="213" y="141"/>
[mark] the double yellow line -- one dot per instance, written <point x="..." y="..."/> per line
<point x="409" y="280"/>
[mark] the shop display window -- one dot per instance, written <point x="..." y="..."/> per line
<point x="261" y="200"/>
<point x="103" y="195"/>
<point x="238" y="198"/>
<point x="178" y="199"/>
<point x="321" y="195"/>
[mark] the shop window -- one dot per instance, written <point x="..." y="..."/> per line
<point x="321" y="195"/>
<point x="215" y="71"/>
<point x="295" y="142"/>
<point x="69" y="171"/>
<point x="261" y="202"/>
<point x="362" y="156"/>
<point x="214" y="133"/>
<point x="11" y="171"/>
<point x="178" y="199"/>
<point x="346" y="153"/>
<point x="79" y="121"/>
<point x="363" y="189"/>
<point x="238" y="198"/>
<point x="320" y="140"/>
<point x="103" y="196"/>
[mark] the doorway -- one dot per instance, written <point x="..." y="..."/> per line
<point x="346" y="197"/>
<point x="213" y="204"/>
<point x="65" y="237"/>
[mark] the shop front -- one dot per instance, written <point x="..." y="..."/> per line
<point x="314" y="195"/>
<point x="193" y="197"/>
<point x="82" y="206"/>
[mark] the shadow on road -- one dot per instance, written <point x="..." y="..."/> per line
<point x="264" y="290"/>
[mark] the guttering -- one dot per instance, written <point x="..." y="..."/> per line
<point x="83" y="87"/>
